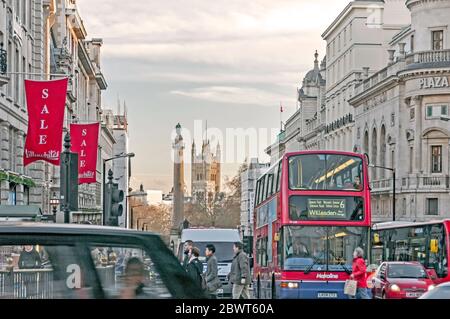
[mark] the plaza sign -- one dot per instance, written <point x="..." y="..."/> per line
<point x="433" y="82"/>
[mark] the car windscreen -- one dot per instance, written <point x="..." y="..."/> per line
<point x="406" y="271"/>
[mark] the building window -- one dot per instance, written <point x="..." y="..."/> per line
<point x="345" y="35"/>
<point x="437" y="111"/>
<point x="26" y="195"/>
<point x="10" y="68"/>
<point x="17" y="78"/>
<point x="438" y="39"/>
<point x="412" y="43"/>
<point x="392" y="119"/>
<point x="412" y="113"/>
<point x="436" y="159"/>
<point x="404" y="206"/>
<point x="411" y="157"/>
<point x="432" y="206"/>
<point x="24" y="12"/>
<point x="392" y="159"/>
<point x="12" y="194"/>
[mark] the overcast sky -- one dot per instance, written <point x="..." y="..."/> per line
<point x="230" y="62"/>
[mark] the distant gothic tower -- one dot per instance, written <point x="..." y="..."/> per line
<point x="206" y="170"/>
<point x="178" y="180"/>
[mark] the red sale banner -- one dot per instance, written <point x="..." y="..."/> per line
<point x="45" y="104"/>
<point x="84" y="139"/>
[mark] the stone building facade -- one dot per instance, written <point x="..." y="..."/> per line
<point x="356" y="44"/>
<point x="46" y="39"/>
<point x="248" y="188"/>
<point x="22" y="38"/>
<point x="402" y="118"/>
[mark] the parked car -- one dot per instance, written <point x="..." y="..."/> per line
<point x="441" y="291"/>
<point x="401" y="280"/>
<point x="82" y="261"/>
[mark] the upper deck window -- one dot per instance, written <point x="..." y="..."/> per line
<point x="325" y="172"/>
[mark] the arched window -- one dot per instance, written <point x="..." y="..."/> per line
<point x="374" y="152"/>
<point x="366" y="142"/>
<point x="383" y="150"/>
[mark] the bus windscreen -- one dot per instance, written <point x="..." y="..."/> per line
<point x="325" y="172"/>
<point x="317" y="248"/>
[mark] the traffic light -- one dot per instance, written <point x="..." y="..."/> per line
<point x="248" y="244"/>
<point x="114" y="209"/>
<point x="117" y="198"/>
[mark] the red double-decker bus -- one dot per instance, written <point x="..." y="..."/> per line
<point x="312" y="209"/>
<point x="425" y="242"/>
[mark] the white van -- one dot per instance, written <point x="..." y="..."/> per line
<point x="223" y="240"/>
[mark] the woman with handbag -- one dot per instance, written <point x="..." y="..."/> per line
<point x="211" y="276"/>
<point x="359" y="274"/>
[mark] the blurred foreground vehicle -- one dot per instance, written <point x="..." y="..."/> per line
<point x="440" y="292"/>
<point x="41" y="261"/>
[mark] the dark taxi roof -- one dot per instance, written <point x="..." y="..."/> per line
<point x="68" y="229"/>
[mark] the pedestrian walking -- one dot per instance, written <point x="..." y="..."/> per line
<point x="188" y="245"/>
<point x="211" y="276"/>
<point x="240" y="273"/>
<point x="195" y="267"/>
<point x="359" y="274"/>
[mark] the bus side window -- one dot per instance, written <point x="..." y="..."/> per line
<point x="279" y="176"/>
<point x="257" y="193"/>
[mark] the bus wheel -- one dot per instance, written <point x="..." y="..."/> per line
<point x="274" y="288"/>
<point x="258" y="288"/>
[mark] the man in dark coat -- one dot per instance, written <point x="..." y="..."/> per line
<point x="212" y="277"/>
<point x="240" y="273"/>
<point x="188" y="244"/>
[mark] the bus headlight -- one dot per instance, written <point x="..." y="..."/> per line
<point x="289" y="285"/>
<point x="431" y="287"/>
<point x="395" y="288"/>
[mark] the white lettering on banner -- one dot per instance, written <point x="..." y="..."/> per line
<point x="42" y="139"/>
<point x="84" y="132"/>
<point x="327" y="276"/>
<point x="45" y="93"/>
<point x="433" y="82"/>
<point x="51" y="155"/>
<point x="43" y="127"/>
<point x="83" y="143"/>
<point x="45" y="110"/>
<point x="82" y="163"/>
<point x="82" y="153"/>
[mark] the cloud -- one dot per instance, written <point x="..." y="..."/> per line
<point x="233" y="95"/>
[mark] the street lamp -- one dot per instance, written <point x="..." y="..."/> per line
<point x="54" y="201"/>
<point x="129" y="155"/>
<point x="393" y="186"/>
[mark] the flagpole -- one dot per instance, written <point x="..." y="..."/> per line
<point x="281" y="120"/>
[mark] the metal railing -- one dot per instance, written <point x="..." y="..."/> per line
<point x="381" y="184"/>
<point x="417" y="182"/>
<point x="429" y="56"/>
<point x="26" y="284"/>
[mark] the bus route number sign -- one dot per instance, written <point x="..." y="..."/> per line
<point x="326" y="208"/>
